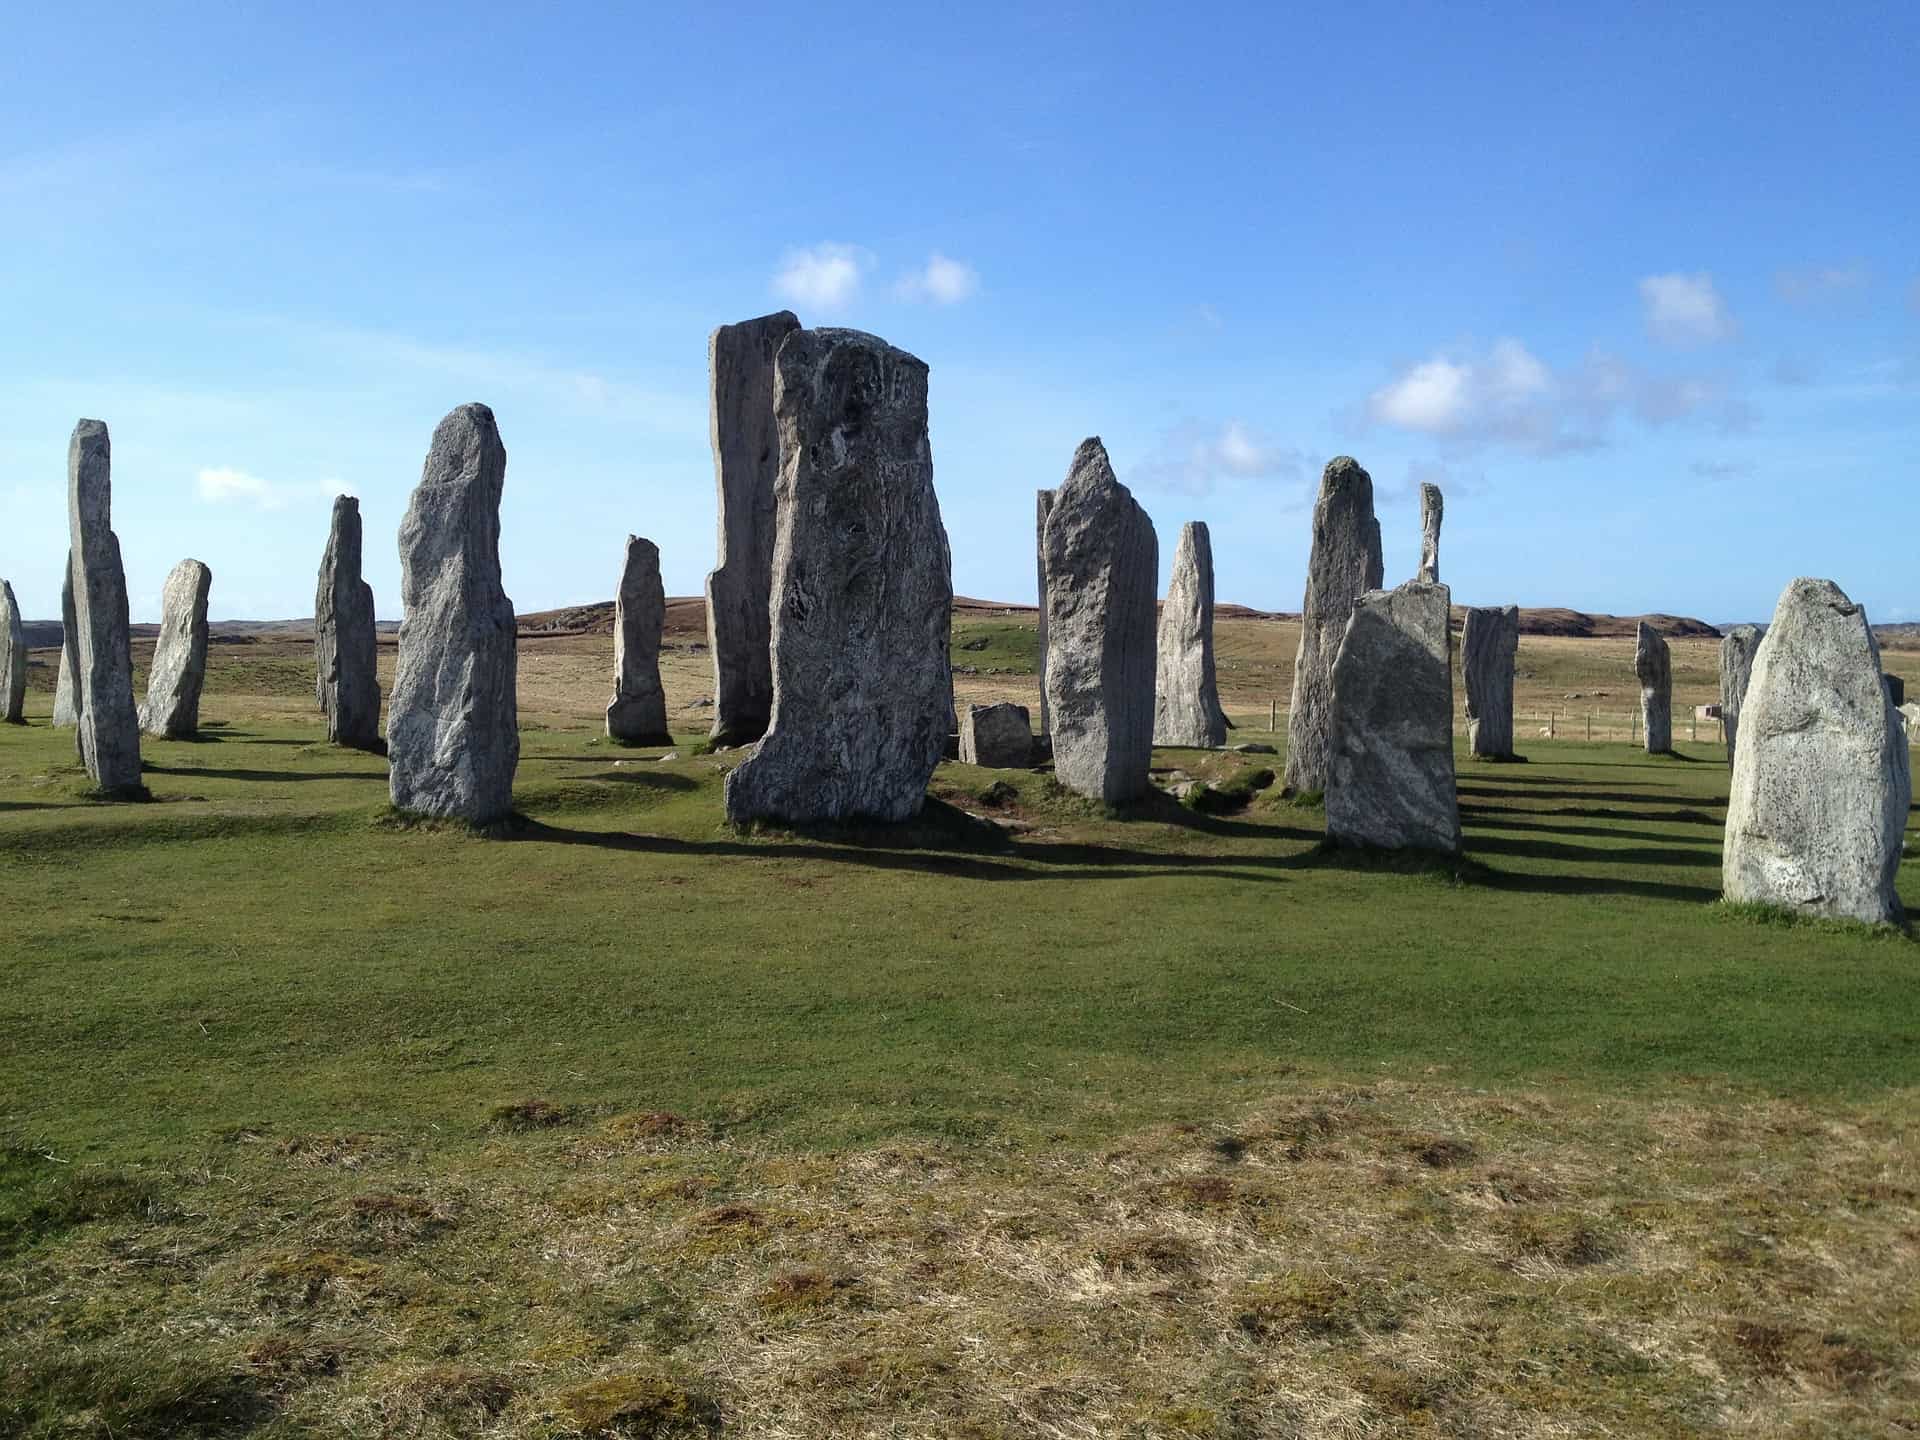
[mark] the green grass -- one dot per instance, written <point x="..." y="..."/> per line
<point x="1010" y="647"/>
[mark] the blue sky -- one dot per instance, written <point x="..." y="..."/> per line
<point x="1638" y="286"/>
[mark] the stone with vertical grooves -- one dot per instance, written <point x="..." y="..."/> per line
<point x="637" y="714"/>
<point x="66" y="699"/>
<point x="1432" y="507"/>
<point x="1817" y="810"/>
<point x="179" y="668"/>
<point x="1653" y="664"/>
<point x="1186" y="694"/>
<point x="1489" y="640"/>
<point x="109" y="721"/>
<point x="13" y="659"/>
<point x="1103" y="565"/>
<point x="746" y="462"/>
<point x="1344" y="565"/>
<point x="453" y="737"/>
<point x="1043" y="506"/>
<point x="862" y="591"/>
<point x="345" y="645"/>
<point x="1737" y="649"/>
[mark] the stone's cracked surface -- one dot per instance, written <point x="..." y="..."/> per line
<point x="999" y="737"/>
<point x="1102" y="570"/>
<point x="1043" y="507"/>
<point x="1489" y="640"/>
<point x="13" y="659"/>
<point x="1432" y="508"/>
<point x="1653" y="664"/>
<point x="453" y="737"/>
<point x="109" y="723"/>
<point x="862" y="591"/>
<point x="1344" y="565"/>
<point x="637" y="714"/>
<point x="179" y="668"/>
<point x="1821" y="788"/>
<point x="1737" y="649"/>
<point x="1186" y="696"/>
<point x="345" y="646"/>
<point x="746" y="463"/>
<point x="1391" y="779"/>
<point x="66" y="698"/>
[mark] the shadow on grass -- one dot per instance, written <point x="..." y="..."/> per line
<point x="1530" y="822"/>
<point x="209" y="773"/>
<point x="1595" y="855"/>
<point x="1588" y="797"/>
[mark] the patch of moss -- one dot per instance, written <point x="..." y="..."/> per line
<point x="638" y="1405"/>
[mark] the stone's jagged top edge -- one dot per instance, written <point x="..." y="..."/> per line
<point x="89" y="428"/>
<point x="1341" y="471"/>
<point x="826" y="336"/>
<point x="1828" y="592"/>
<point x="792" y="320"/>
<point x="346" y="502"/>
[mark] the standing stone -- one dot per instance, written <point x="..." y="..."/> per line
<point x="1390" y="783"/>
<point x="1821" y="789"/>
<point x="13" y="659"/>
<point x="746" y="462"/>
<point x="345" y="646"/>
<point x="1186" y="705"/>
<point x="66" y="694"/>
<point x="1489" y="640"/>
<point x="862" y="591"/>
<point x="109" y="736"/>
<point x="1897" y="690"/>
<point x="1653" y="663"/>
<point x="637" y="714"/>
<point x="1043" y="507"/>
<point x="453" y="735"/>
<point x="1737" y="649"/>
<point x="1102" y="566"/>
<point x="179" y="668"/>
<point x="1432" y="506"/>
<point x="999" y="737"/>
<point x="1344" y="564"/>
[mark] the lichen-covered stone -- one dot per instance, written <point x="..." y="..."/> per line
<point x="179" y="668"/>
<point x="13" y="659"/>
<point x="1043" y="506"/>
<point x="1737" y="649"/>
<point x="1489" y="640"/>
<point x="862" y="591"/>
<point x="109" y="721"/>
<point x="999" y="737"/>
<point x="1343" y="565"/>
<point x="1102" y="570"/>
<point x="1432" y="509"/>
<point x="637" y="714"/>
<point x="1821" y="788"/>
<point x="453" y="736"/>
<point x="1186" y="708"/>
<point x="345" y="644"/>
<point x="1653" y="664"/>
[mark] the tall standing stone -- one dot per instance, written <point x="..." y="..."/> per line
<point x="346" y="650"/>
<point x="66" y="690"/>
<point x="1821" y="788"/>
<point x="1186" y="707"/>
<point x="1653" y="664"/>
<point x="453" y="736"/>
<point x="1432" y="507"/>
<point x="179" y="668"/>
<point x="1043" y="506"/>
<point x="1103" y="565"/>
<point x="1489" y="640"/>
<point x="1737" y="649"/>
<point x="13" y="659"/>
<point x="109" y="738"/>
<point x="637" y="714"/>
<point x="1344" y="565"/>
<point x="862" y="591"/>
<point x="746" y="462"/>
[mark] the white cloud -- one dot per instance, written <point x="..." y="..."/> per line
<point x="1434" y="396"/>
<point x="826" y="277"/>
<point x="1685" y="310"/>
<point x="941" y="281"/>
<point x="1192" y="459"/>
<point x="220" y="485"/>
<point x="1808" y="283"/>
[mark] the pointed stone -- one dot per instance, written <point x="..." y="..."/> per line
<point x="1818" y="808"/>
<point x="13" y="659"/>
<point x="1653" y="664"/>
<point x="637" y="714"/>
<point x="1043" y="507"/>
<point x="862" y="591"/>
<point x="1344" y="564"/>
<point x="746" y="462"/>
<point x="1186" y="696"/>
<point x="179" y="669"/>
<point x="66" y="693"/>
<point x="345" y="642"/>
<point x="1103" y="565"/>
<point x="109" y="722"/>
<point x="453" y="737"/>
<point x="1489" y="640"/>
<point x="1737" y="649"/>
<point x="1432" y="508"/>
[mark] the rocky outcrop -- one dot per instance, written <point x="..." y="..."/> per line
<point x="1432" y="508"/>
<point x="1186" y="708"/>
<point x="453" y="736"/>
<point x="637" y="714"/>
<point x="1102" y="564"/>
<point x="1737" y="649"/>
<point x="345" y="647"/>
<point x="746" y="462"/>
<point x="999" y="737"/>
<point x="179" y="669"/>
<point x="109" y="722"/>
<point x="1653" y="664"/>
<point x="13" y="659"/>
<point x="862" y="591"/>
<point x="1344" y="564"/>
<point x="1489" y="640"/>
<point x="1818" y="808"/>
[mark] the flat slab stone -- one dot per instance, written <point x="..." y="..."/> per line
<point x="1653" y="665"/>
<point x="1489" y="640"/>
<point x="1343" y="565"/>
<point x="13" y="659"/>
<point x="109" y="721"/>
<point x="999" y="737"/>
<point x="862" y="591"/>
<point x="346" y="652"/>
<point x="1737" y="649"/>
<point x="637" y="714"/>
<point x="179" y="669"/>
<point x="1186" y="709"/>
<point x="1818" y="808"/>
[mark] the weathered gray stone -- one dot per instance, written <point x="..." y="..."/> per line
<point x="862" y="591"/>
<point x="1737" y="649"/>
<point x="637" y="714"/>
<point x="746" y="461"/>
<point x="1344" y="564"/>
<point x="109" y="722"/>
<point x="999" y="737"/>
<point x="1186" y="706"/>
<point x="1653" y="664"/>
<point x="1043" y="506"/>
<point x="1489" y="640"/>
<point x="1432" y="508"/>
<point x="66" y="690"/>
<point x="179" y="668"/>
<point x="1821" y="789"/>
<point x="345" y="646"/>
<point x="13" y="659"/>
<point x="453" y="736"/>
<point x="1910" y="717"/>
<point x="1103" y="566"/>
<point x="1391" y="782"/>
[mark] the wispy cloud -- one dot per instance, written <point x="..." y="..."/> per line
<point x="941" y="281"/>
<point x="1686" y="310"/>
<point x="223" y="485"/>
<point x="823" y="278"/>
<point x="1805" y="284"/>
<point x="1195" y="459"/>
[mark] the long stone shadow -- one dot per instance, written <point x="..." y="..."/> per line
<point x="295" y="776"/>
<point x="1535" y="884"/>
<point x="1592" y="855"/>
<point x="1583" y="797"/>
<point x="1496" y="820"/>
